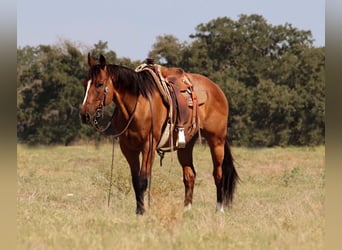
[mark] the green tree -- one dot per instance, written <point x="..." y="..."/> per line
<point x="49" y="112"/>
<point x="273" y="113"/>
<point x="167" y="50"/>
<point x="274" y="66"/>
<point x="102" y="48"/>
<point x="246" y="49"/>
<point x="240" y="98"/>
<point x="272" y="76"/>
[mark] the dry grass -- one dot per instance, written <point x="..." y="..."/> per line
<point x="62" y="201"/>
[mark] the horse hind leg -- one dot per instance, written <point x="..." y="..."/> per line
<point x="224" y="173"/>
<point x="217" y="153"/>
<point x="189" y="174"/>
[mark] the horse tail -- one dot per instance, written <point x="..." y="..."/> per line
<point x="230" y="176"/>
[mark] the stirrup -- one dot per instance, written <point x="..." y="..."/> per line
<point x="181" y="138"/>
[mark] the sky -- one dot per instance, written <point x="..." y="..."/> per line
<point x="131" y="27"/>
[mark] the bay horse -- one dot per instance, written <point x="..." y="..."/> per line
<point x="141" y="115"/>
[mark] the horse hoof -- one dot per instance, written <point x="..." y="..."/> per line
<point x="219" y="208"/>
<point x="187" y="207"/>
<point x="139" y="211"/>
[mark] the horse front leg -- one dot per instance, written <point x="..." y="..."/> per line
<point x="148" y="155"/>
<point x="140" y="174"/>
<point x="139" y="183"/>
<point x="140" y="186"/>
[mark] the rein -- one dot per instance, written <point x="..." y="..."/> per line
<point x="111" y="176"/>
<point x="151" y="153"/>
<point x="99" y="113"/>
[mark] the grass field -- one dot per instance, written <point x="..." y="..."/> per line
<point x="62" y="201"/>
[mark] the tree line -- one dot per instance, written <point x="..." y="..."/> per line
<point x="272" y="76"/>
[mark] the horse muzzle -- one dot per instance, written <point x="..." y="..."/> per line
<point x="92" y="119"/>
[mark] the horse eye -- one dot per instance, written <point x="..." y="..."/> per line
<point x="99" y="84"/>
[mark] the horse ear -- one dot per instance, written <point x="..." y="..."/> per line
<point x="102" y="61"/>
<point x="90" y="60"/>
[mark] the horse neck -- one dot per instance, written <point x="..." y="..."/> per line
<point x="124" y="96"/>
<point x="129" y="86"/>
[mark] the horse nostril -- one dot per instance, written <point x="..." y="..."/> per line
<point x="98" y="113"/>
<point x="85" y="118"/>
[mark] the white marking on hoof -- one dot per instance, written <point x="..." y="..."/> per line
<point x="219" y="207"/>
<point x="187" y="207"/>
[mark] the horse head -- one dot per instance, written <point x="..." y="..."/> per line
<point x="98" y="89"/>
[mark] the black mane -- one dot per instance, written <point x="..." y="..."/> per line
<point x="137" y="83"/>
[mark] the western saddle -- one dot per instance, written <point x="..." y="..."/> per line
<point x="178" y="93"/>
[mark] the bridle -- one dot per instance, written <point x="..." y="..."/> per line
<point x="99" y="114"/>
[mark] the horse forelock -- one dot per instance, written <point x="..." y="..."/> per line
<point x="94" y="71"/>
